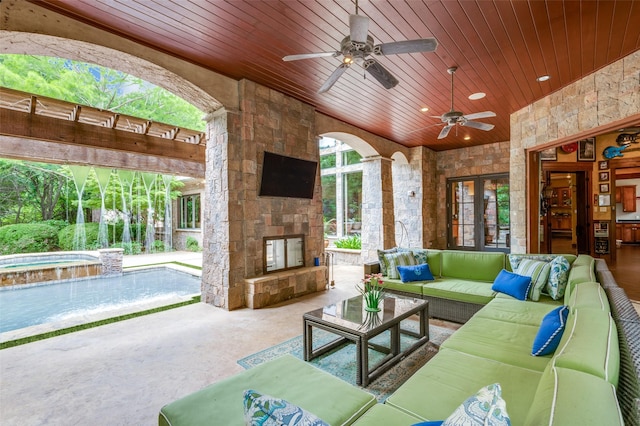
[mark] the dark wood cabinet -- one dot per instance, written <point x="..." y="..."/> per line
<point x="561" y="222"/>
<point x="628" y="198"/>
<point x="628" y="232"/>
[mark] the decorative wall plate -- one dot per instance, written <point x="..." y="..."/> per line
<point x="570" y="147"/>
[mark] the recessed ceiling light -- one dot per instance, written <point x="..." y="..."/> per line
<point x="543" y="78"/>
<point x="466" y="138"/>
<point x="424" y="109"/>
<point x="476" y="96"/>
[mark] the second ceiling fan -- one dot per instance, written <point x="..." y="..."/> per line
<point x="358" y="48"/>
<point x="454" y="117"/>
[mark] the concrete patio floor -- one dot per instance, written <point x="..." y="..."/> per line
<point x="123" y="373"/>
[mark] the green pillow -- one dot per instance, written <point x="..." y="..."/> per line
<point x="384" y="264"/>
<point x="419" y="254"/>
<point x="398" y="259"/>
<point x="539" y="273"/>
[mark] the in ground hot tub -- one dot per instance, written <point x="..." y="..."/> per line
<point x="21" y="269"/>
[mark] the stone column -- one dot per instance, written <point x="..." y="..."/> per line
<point x="222" y="273"/>
<point x="377" y="206"/>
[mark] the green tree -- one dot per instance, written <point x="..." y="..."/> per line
<point x="98" y="87"/>
<point x="30" y="191"/>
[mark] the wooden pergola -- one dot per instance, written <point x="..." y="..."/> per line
<point x="45" y="129"/>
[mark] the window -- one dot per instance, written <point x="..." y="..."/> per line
<point x="189" y="211"/>
<point x="341" y="177"/>
<point x="478" y="212"/>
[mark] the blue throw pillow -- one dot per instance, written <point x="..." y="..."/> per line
<point x="550" y="331"/>
<point x="415" y="273"/>
<point x="434" y="423"/>
<point x="512" y="284"/>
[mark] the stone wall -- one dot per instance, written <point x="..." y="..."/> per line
<point x="237" y="219"/>
<point x="605" y="97"/>
<point x="473" y="161"/>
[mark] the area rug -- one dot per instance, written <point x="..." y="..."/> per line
<point x="341" y="362"/>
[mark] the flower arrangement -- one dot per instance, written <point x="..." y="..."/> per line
<point x="372" y="291"/>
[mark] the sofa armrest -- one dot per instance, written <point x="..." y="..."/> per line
<point x="371" y="268"/>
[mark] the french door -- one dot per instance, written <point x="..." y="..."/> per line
<point x="478" y="213"/>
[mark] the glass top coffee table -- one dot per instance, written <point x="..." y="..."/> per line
<point x="352" y="323"/>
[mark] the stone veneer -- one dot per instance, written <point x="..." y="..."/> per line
<point x="111" y="259"/>
<point x="377" y="206"/>
<point x="277" y="287"/>
<point x="608" y="95"/>
<point x="236" y="219"/>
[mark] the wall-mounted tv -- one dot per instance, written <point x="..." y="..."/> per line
<point x="287" y="176"/>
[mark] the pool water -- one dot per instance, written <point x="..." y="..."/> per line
<point x="41" y="304"/>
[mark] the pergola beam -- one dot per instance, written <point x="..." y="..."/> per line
<point x="33" y="126"/>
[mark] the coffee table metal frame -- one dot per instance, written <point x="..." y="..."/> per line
<point x="365" y="374"/>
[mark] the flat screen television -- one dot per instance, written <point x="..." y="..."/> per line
<point x="284" y="176"/>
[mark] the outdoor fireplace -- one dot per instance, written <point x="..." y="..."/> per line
<point x="283" y="252"/>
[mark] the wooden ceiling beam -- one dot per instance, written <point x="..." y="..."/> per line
<point x="33" y="126"/>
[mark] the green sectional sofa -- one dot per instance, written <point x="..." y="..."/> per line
<point x="592" y="378"/>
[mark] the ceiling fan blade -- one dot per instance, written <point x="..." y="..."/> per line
<point x="407" y="46"/>
<point x="445" y="131"/>
<point x="358" y="28"/>
<point x="477" y="125"/>
<point x="333" y="78"/>
<point x="309" y="56"/>
<point x="380" y="73"/>
<point x="484" y="114"/>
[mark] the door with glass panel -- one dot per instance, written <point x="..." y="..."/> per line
<point x="478" y="213"/>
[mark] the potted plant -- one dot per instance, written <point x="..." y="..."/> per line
<point x="372" y="292"/>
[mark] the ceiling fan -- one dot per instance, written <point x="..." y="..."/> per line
<point x="454" y="117"/>
<point x="358" y="47"/>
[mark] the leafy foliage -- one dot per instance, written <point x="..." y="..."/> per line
<point x="350" y="242"/>
<point x="129" y="248"/>
<point x="192" y="244"/>
<point x="98" y="87"/>
<point x="28" y="238"/>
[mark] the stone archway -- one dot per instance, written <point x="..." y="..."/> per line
<point x="15" y="42"/>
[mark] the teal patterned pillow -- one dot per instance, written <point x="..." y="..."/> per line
<point x="384" y="264"/>
<point x="398" y="259"/>
<point x="558" y="277"/>
<point x="539" y="273"/>
<point x="264" y="410"/>
<point x="419" y="254"/>
<point x="486" y="408"/>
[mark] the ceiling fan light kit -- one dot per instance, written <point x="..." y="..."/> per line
<point x="358" y="47"/>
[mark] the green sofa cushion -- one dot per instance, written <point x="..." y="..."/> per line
<point x="438" y="388"/>
<point x="578" y="351"/>
<point x="499" y="341"/>
<point x="329" y="398"/>
<point x="472" y="265"/>
<point x="460" y="290"/>
<point x="516" y="311"/>
<point x="386" y="415"/>
<point x="414" y="287"/>
<point x="570" y="397"/>
<point x="588" y="295"/>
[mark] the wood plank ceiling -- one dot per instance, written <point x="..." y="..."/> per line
<point x="500" y="47"/>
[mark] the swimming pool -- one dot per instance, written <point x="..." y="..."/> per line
<point x="66" y="300"/>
